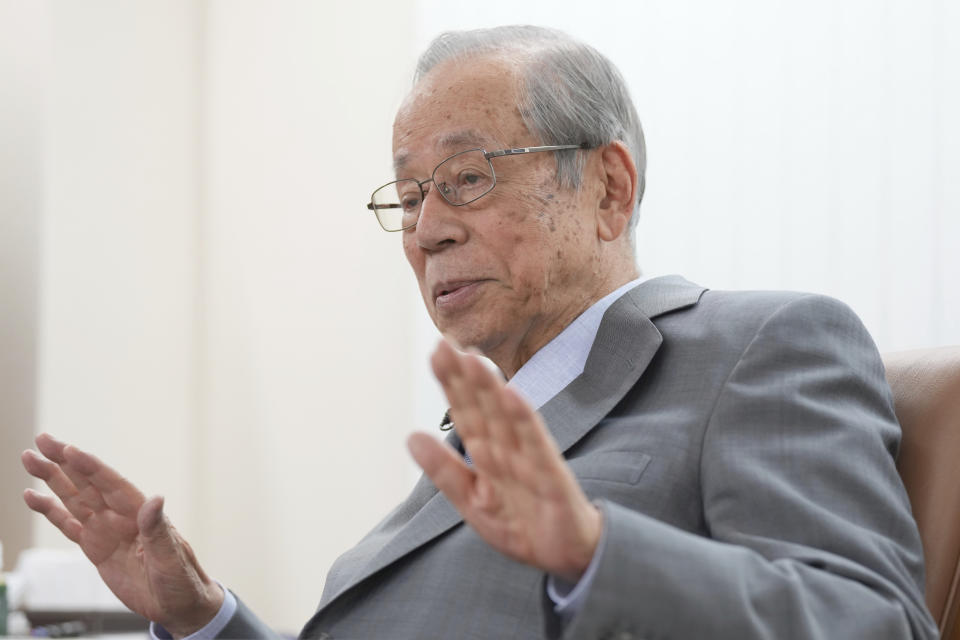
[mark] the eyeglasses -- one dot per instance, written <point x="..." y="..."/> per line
<point x="462" y="178"/>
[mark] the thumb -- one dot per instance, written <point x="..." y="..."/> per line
<point x="155" y="529"/>
<point x="186" y="597"/>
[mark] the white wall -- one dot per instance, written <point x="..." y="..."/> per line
<point x="805" y="145"/>
<point x="119" y="241"/>
<point x="22" y="62"/>
<point x="219" y="319"/>
<point x="307" y="303"/>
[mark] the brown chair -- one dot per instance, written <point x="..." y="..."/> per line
<point x="926" y="393"/>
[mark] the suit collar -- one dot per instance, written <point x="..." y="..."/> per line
<point x="626" y="342"/>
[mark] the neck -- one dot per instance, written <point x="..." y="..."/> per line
<point x="509" y="355"/>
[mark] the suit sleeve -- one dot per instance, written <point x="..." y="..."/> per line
<point x="810" y="529"/>
<point x="246" y="625"/>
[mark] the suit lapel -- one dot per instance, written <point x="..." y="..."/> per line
<point x="626" y="342"/>
<point x="436" y="517"/>
<point x="425" y="514"/>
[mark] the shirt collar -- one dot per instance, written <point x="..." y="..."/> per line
<point x="562" y="359"/>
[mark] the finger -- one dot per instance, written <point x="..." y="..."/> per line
<point x="445" y="468"/>
<point x="447" y="367"/>
<point x="52" y="510"/>
<point x="175" y="570"/>
<point x="533" y="437"/>
<point x="117" y="492"/>
<point x="487" y="437"/>
<point x="489" y="398"/>
<point x="465" y="409"/>
<point x="471" y="426"/>
<point x="442" y="359"/>
<point x="88" y="495"/>
<point x="165" y="550"/>
<point x="50" y="447"/>
<point x="159" y="540"/>
<point x="58" y="482"/>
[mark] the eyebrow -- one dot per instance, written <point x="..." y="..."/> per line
<point x="458" y="140"/>
<point x="465" y="138"/>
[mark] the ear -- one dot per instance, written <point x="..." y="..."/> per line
<point x="620" y="196"/>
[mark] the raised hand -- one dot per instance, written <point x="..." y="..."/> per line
<point x="519" y="495"/>
<point x="139" y="554"/>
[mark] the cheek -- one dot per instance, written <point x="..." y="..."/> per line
<point x="414" y="257"/>
<point x="554" y="220"/>
<point x="539" y="235"/>
<point x="409" y="249"/>
<point x="561" y="244"/>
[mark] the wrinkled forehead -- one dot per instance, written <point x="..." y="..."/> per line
<point x="459" y="105"/>
<point x="448" y="143"/>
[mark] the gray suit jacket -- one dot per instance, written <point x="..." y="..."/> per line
<point x="741" y="447"/>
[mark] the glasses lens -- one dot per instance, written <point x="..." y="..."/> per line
<point x="464" y="177"/>
<point x="397" y="204"/>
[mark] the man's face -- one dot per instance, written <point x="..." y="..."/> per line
<point x="508" y="272"/>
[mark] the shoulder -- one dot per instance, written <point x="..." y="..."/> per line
<point x="789" y="320"/>
<point x="752" y="308"/>
<point x="738" y="317"/>
<point x="724" y="329"/>
<point x="665" y="295"/>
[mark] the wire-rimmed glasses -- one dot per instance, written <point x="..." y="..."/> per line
<point x="461" y="179"/>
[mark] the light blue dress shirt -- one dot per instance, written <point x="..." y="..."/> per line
<point x="543" y="376"/>
<point x="215" y="626"/>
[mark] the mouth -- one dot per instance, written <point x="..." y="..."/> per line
<point x="447" y="294"/>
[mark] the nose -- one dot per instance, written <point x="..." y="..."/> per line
<point x="439" y="225"/>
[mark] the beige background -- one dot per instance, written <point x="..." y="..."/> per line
<point x="196" y="294"/>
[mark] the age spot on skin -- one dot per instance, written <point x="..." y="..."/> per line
<point x="543" y="202"/>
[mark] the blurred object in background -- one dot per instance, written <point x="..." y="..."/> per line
<point x="62" y="589"/>
<point x="3" y="596"/>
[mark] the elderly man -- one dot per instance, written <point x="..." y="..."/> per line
<point x="665" y="461"/>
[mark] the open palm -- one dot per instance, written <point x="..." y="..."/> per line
<point x="139" y="554"/>
<point x="519" y="494"/>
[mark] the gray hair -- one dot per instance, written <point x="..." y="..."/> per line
<point x="569" y="93"/>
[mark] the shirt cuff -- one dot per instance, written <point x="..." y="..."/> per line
<point x="211" y="629"/>
<point x="568" y="597"/>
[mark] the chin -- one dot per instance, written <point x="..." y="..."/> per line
<point x="458" y="335"/>
<point x="483" y="343"/>
<point x="459" y="340"/>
